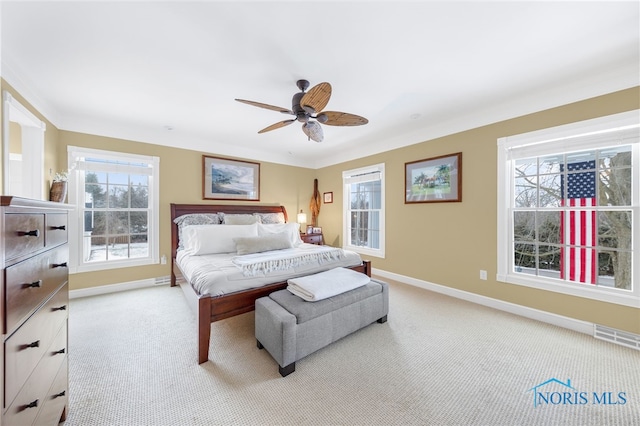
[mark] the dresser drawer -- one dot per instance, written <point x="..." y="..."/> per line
<point x="32" y="340"/>
<point x="30" y="282"/>
<point x="56" y="399"/>
<point x="56" y="229"/>
<point x="24" y="234"/>
<point x="24" y="409"/>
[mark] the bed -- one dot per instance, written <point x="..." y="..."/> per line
<point x="214" y="306"/>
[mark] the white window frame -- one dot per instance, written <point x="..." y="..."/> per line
<point x="578" y="136"/>
<point x="76" y="218"/>
<point x="349" y="176"/>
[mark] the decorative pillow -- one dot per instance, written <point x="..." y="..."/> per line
<point x="248" y="245"/>
<point x="195" y="219"/>
<point x="198" y="219"/>
<point x="207" y="239"/>
<point x="239" y="219"/>
<point x="270" y="217"/>
<point x="291" y="229"/>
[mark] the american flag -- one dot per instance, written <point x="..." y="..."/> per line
<point x="578" y="254"/>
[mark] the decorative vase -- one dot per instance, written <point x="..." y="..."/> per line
<point x="58" y="192"/>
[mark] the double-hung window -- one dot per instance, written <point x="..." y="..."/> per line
<point x="116" y="216"/>
<point x="363" y="223"/>
<point x="569" y="212"/>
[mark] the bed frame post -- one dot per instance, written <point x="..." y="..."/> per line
<point x="367" y="267"/>
<point x="173" y="281"/>
<point x="174" y="242"/>
<point x="204" y="329"/>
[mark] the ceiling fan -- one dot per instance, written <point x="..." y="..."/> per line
<point x="308" y="107"/>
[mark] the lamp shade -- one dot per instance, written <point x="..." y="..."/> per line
<point x="302" y="217"/>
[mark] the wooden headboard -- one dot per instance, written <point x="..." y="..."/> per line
<point x="178" y="210"/>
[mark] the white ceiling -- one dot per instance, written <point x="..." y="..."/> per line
<point x="168" y="72"/>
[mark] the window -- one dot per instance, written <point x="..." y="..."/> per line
<point x="569" y="209"/>
<point x="363" y="224"/>
<point x="115" y="222"/>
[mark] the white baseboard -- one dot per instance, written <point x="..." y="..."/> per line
<point x="114" y="288"/>
<point x="559" y="320"/>
<point x="524" y="311"/>
<point x="547" y="317"/>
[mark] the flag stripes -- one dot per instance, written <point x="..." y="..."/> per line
<point x="578" y="236"/>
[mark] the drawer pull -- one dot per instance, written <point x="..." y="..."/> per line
<point x="59" y="265"/>
<point x="35" y="284"/>
<point x="58" y="395"/>
<point x="35" y="344"/>
<point x="30" y="405"/>
<point x="61" y="351"/>
<point x="34" y="233"/>
<point x="61" y="308"/>
<point x="59" y="228"/>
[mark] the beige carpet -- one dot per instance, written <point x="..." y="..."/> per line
<point x="437" y="361"/>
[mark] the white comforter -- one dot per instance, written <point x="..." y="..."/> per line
<point x="218" y="274"/>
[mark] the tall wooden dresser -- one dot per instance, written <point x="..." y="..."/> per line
<point x="35" y="298"/>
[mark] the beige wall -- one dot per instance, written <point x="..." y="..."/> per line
<point x="449" y="243"/>
<point x="441" y="243"/>
<point x="181" y="182"/>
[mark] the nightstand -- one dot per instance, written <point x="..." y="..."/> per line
<point x="312" y="239"/>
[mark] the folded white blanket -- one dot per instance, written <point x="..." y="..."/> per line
<point x="279" y="260"/>
<point x="326" y="284"/>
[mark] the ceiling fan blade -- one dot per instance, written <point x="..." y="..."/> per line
<point x="313" y="130"/>
<point x="316" y="98"/>
<point x="266" y="106"/>
<point x="277" y="125"/>
<point x="336" y="118"/>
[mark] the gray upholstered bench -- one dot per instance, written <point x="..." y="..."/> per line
<point x="290" y="328"/>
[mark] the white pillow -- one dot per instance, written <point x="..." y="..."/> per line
<point x="212" y="239"/>
<point x="194" y="219"/>
<point x="292" y="229"/>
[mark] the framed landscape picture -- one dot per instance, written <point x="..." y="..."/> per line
<point x="434" y="180"/>
<point x="224" y="179"/>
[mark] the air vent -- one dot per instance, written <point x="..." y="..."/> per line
<point x="612" y="335"/>
<point x="163" y="280"/>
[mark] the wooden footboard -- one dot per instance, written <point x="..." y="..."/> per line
<point x="209" y="309"/>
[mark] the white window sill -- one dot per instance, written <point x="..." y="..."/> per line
<point x="610" y="295"/>
<point x="102" y="266"/>
<point x="366" y="251"/>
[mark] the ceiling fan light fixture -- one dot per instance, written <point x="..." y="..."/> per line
<point x="310" y="105"/>
<point x="313" y="131"/>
